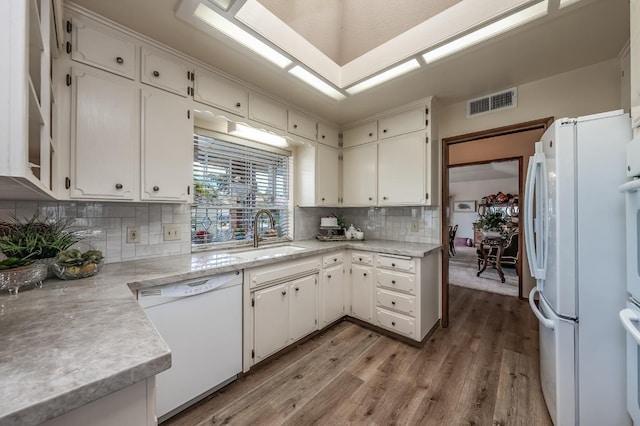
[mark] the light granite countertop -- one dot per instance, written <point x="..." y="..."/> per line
<point x="72" y="342"/>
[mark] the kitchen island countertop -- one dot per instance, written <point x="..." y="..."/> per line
<point x="72" y="342"/>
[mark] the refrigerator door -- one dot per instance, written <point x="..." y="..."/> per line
<point x="535" y="230"/>
<point x="557" y="362"/>
<point x="632" y="194"/>
<point x="630" y="319"/>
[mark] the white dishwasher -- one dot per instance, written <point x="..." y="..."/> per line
<point x="201" y="321"/>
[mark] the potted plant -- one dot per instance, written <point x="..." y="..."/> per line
<point x="492" y="224"/>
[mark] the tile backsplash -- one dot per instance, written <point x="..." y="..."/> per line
<point x="105" y="225"/>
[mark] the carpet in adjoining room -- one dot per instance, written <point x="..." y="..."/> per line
<point x="463" y="268"/>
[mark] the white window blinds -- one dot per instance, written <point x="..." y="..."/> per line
<point x="231" y="183"/>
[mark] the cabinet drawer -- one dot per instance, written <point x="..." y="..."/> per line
<point x="396" y="281"/>
<point x="396" y="263"/>
<point x="332" y="259"/>
<point x="211" y="89"/>
<point x="396" y="301"/>
<point x="164" y="72"/>
<point x="267" y="112"/>
<point x="362" y="258"/>
<point x="103" y="48"/>
<point x="328" y="135"/>
<point x="404" y="122"/>
<point x="397" y="322"/>
<point x="302" y="125"/>
<point x="361" y="134"/>
<point x="282" y="271"/>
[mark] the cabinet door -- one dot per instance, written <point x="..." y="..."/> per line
<point x="303" y="307"/>
<point x="332" y="291"/>
<point x="105" y="117"/>
<point x="270" y="320"/>
<point x="101" y="47"/>
<point x="401" y="123"/>
<point x="220" y="93"/>
<point x="266" y="111"/>
<point x="301" y="125"/>
<point x="328" y="135"/>
<point x="165" y="72"/>
<point x="358" y="135"/>
<point x="402" y="170"/>
<point x="359" y="173"/>
<point x="327" y="176"/>
<point x="635" y="66"/>
<point x="362" y="292"/>
<point x="167" y="147"/>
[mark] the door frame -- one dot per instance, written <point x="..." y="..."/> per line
<point x="542" y="123"/>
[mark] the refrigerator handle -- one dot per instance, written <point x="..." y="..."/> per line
<point x="627" y="316"/>
<point x="528" y="217"/>
<point x="546" y="322"/>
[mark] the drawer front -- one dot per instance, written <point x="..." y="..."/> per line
<point x="280" y="272"/>
<point x="362" y="258"/>
<point x="103" y="48"/>
<point x="164" y="72"/>
<point x="396" y="281"/>
<point x="396" y="301"/>
<point x="302" y="125"/>
<point x="404" y="122"/>
<point x="219" y="92"/>
<point x="332" y="259"/>
<point x="361" y="134"/>
<point x="397" y="264"/>
<point x="396" y="322"/>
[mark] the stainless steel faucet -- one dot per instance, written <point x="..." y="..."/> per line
<point x="255" y="224"/>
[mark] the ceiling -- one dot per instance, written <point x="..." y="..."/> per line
<point x="588" y="32"/>
<point x="476" y="172"/>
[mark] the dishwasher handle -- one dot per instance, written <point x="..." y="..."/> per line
<point x="168" y="292"/>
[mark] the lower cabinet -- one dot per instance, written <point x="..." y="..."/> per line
<point x="332" y="294"/>
<point x="362" y="292"/>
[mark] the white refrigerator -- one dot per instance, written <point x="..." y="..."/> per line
<point x="574" y="236"/>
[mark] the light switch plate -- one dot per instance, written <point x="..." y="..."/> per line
<point x="170" y="232"/>
<point x="133" y="234"/>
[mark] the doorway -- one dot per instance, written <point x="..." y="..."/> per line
<point x="494" y="145"/>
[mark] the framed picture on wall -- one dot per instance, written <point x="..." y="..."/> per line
<point x="464" y="206"/>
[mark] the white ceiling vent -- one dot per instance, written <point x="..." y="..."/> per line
<point x="494" y="102"/>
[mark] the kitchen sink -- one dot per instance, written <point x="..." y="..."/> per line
<point x="259" y="253"/>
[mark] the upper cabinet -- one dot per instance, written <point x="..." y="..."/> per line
<point x="358" y="135"/>
<point x="402" y="123"/>
<point x="218" y="92"/>
<point x="101" y="47"/>
<point x="359" y="175"/>
<point x="165" y="72"/>
<point x="316" y="175"/>
<point x="328" y="135"/>
<point x="265" y="111"/>
<point x="302" y="125"/>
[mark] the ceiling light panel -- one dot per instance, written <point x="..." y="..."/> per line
<point x="213" y="19"/>
<point x="257" y="135"/>
<point x="384" y="76"/>
<point x="316" y="83"/>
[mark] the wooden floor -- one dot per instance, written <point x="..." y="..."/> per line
<point x="482" y="370"/>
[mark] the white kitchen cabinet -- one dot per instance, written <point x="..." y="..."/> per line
<point x="167" y="147"/>
<point x="327" y="176"/>
<point x="303" y="307"/>
<point x="401" y="123"/>
<point x="359" y="135"/>
<point x="165" y="72"/>
<point x="302" y="125"/>
<point x="101" y="47"/>
<point x="332" y="294"/>
<point x="265" y="111"/>
<point x="328" y="135"/>
<point x="105" y="119"/>
<point x="359" y="175"/>
<point x="218" y="92"/>
<point x="270" y="320"/>
<point x="635" y="65"/>
<point x="362" y="292"/>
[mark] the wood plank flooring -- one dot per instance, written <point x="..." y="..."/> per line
<point x="482" y="370"/>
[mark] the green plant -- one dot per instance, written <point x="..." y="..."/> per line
<point x="14" y="262"/>
<point x="341" y="221"/>
<point x="36" y="239"/>
<point x="492" y="221"/>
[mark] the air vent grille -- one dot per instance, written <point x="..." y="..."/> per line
<point x="494" y="102"/>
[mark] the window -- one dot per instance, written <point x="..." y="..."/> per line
<point x="232" y="181"/>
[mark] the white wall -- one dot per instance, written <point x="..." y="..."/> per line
<point x="466" y="191"/>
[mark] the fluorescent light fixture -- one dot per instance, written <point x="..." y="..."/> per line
<point x="385" y="76"/>
<point x="316" y="83"/>
<point x="257" y="135"/>
<point x="209" y="17"/>
<point x="485" y="33"/>
<point x="564" y="3"/>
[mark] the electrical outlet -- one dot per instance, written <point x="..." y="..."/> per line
<point x="133" y="234"/>
<point x="170" y="232"/>
<point x="415" y="226"/>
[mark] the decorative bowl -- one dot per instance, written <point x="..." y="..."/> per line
<point x="13" y="279"/>
<point x="74" y="272"/>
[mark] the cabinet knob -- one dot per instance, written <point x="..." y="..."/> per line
<point x="370" y="198"/>
<point x="335" y="260"/>
<point x="322" y="136"/>
<point x="156" y="74"/>
<point x="297" y="288"/>
<point x="370" y="134"/>
<point x="364" y="273"/>
<point x="238" y="105"/>
<point x="329" y="276"/>
<point x="384" y="130"/>
<point x="284" y="292"/>
<point x="360" y="259"/>
<point x="393" y="302"/>
<point x="295" y="126"/>
<point x="384" y="198"/>
<point x="393" y="281"/>
<point x="393" y="323"/>
<point x="393" y="264"/>
<point x="120" y="60"/>
<point x="118" y="186"/>
<point x="322" y="198"/>
<point x="156" y="188"/>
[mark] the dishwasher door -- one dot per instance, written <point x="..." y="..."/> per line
<point x="201" y="322"/>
